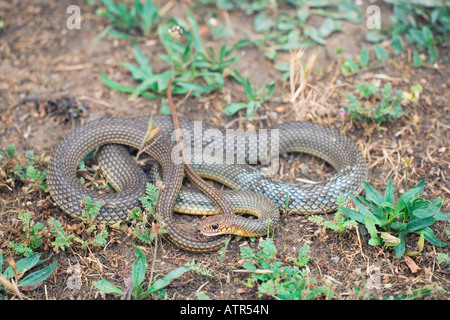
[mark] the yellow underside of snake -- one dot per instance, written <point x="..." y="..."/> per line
<point x="253" y="192"/>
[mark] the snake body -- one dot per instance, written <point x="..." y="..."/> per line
<point x="274" y="195"/>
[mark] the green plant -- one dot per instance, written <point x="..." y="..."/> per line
<point x="289" y="29"/>
<point x="31" y="239"/>
<point x="255" y="99"/>
<point x="88" y="217"/>
<point x="340" y="222"/>
<point x="350" y="67"/>
<point x="366" y="107"/>
<point x="193" y="68"/>
<point x="443" y="258"/>
<point x="420" y="22"/>
<point x="281" y="282"/>
<point x="127" y="20"/>
<point x="140" y="218"/>
<point x="388" y="224"/>
<point x="25" y="173"/>
<point x="62" y="240"/>
<point x="91" y="211"/>
<point x="139" y="290"/>
<point x="11" y="279"/>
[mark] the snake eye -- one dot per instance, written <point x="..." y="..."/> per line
<point x="215" y="226"/>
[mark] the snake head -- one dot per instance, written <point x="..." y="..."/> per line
<point x="216" y="225"/>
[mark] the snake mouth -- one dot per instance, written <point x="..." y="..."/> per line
<point x="211" y="234"/>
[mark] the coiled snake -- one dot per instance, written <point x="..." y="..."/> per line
<point x="258" y="194"/>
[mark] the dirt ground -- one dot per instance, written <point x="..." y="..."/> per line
<point x="47" y="71"/>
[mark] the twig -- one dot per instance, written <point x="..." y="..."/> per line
<point x="254" y="271"/>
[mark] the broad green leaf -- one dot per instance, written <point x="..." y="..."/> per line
<point x="106" y="287"/>
<point x="136" y="72"/>
<point x="262" y="23"/>
<point x="23" y="264"/>
<point x="417" y="61"/>
<point x="363" y="210"/>
<point x="198" y="42"/>
<point x="313" y="33"/>
<point x="328" y="27"/>
<point x="352" y="214"/>
<point x="423" y="213"/>
<point x="142" y="87"/>
<point x="408" y="196"/>
<point x="364" y="57"/>
<point x="397" y="45"/>
<point x="38" y="276"/>
<point x="389" y="192"/>
<point x="370" y="225"/>
<point x="251" y="108"/>
<point x="375" y="37"/>
<point x="139" y="267"/>
<point x="165" y="281"/>
<point x="248" y="89"/>
<point x="400" y="248"/>
<point x="431" y="238"/>
<point x="186" y="86"/>
<point x="232" y="108"/>
<point x="418" y="224"/>
<point x="381" y="54"/>
<point x="372" y="194"/>
<point x="141" y="59"/>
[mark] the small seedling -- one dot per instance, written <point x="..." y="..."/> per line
<point x="340" y="222"/>
<point x="24" y="173"/>
<point x="255" y="98"/>
<point x="62" y="240"/>
<point x="281" y="282"/>
<point x="31" y="239"/>
<point x="368" y="107"/>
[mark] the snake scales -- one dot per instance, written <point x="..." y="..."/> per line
<point x="258" y="194"/>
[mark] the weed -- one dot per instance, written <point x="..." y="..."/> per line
<point x="26" y="173"/>
<point x="443" y="258"/>
<point x="140" y="218"/>
<point x="423" y="23"/>
<point x="127" y="20"/>
<point x="340" y="222"/>
<point x="154" y="288"/>
<point x="388" y="224"/>
<point x="350" y="66"/>
<point x="31" y="239"/>
<point x="11" y="279"/>
<point x="62" y="240"/>
<point x="289" y="29"/>
<point x="91" y="212"/>
<point x="193" y="68"/>
<point x="255" y="99"/>
<point x="281" y="282"/>
<point x="366" y="108"/>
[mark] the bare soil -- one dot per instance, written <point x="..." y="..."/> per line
<point x="49" y="73"/>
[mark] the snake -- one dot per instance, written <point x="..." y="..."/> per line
<point x="253" y="192"/>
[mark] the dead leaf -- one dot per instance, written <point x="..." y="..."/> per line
<point x="411" y="264"/>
